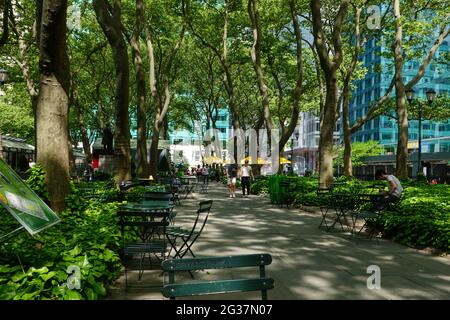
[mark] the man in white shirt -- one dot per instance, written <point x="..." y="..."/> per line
<point x="395" y="189"/>
<point x="246" y="173"/>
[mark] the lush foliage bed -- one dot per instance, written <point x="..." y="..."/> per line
<point x="421" y="220"/>
<point x="36" y="267"/>
<point x="88" y="237"/>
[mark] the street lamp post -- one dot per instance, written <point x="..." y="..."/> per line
<point x="431" y="94"/>
<point x="3" y="78"/>
<point x="296" y="134"/>
<point x="410" y="96"/>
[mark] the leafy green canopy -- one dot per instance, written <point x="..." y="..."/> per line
<point x="359" y="150"/>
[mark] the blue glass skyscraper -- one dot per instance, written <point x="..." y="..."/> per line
<point x="376" y="83"/>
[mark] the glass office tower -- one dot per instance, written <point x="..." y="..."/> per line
<point x="376" y="83"/>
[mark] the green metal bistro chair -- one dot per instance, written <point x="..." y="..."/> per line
<point x="370" y="215"/>
<point x="262" y="283"/>
<point x="188" y="237"/>
<point x="138" y="222"/>
<point x="325" y="197"/>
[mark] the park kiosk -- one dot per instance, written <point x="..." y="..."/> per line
<point x="23" y="204"/>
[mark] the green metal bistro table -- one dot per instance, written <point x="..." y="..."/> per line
<point x="148" y="211"/>
<point x="344" y="204"/>
<point x="362" y="199"/>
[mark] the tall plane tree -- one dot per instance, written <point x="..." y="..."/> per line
<point x="329" y="64"/>
<point x="109" y="18"/>
<point x="53" y="100"/>
<point x="160" y="79"/>
<point x="400" y="87"/>
<point x="255" y="53"/>
<point x="221" y="52"/>
<point x="142" y="169"/>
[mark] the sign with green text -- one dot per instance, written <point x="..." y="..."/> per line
<point x="25" y="205"/>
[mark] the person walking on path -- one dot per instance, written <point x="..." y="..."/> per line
<point x="231" y="179"/>
<point x="205" y="174"/>
<point x="245" y="173"/>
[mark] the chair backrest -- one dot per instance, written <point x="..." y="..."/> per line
<point x="204" y="208"/>
<point x="130" y="219"/>
<point x="261" y="283"/>
<point x="203" y="211"/>
<point x="157" y="196"/>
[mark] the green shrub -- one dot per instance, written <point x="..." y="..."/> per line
<point x="306" y="199"/>
<point x="88" y="237"/>
<point x="36" y="267"/>
<point x="36" y="181"/>
<point x="260" y="187"/>
<point x="422" y="219"/>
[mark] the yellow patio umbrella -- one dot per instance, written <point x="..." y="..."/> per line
<point x="284" y="161"/>
<point x="259" y="160"/>
<point x="213" y="159"/>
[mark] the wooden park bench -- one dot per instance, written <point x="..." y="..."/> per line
<point x="194" y="288"/>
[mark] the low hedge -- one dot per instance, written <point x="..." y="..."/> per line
<point x="422" y="219"/>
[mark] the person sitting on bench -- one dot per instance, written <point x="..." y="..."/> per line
<point x="392" y="195"/>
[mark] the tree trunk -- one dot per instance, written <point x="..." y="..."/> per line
<point x="229" y="86"/>
<point x="329" y="65"/>
<point x="111" y="25"/>
<point x="255" y="53"/>
<point x="228" y="78"/>
<point x="142" y="168"/>
<point x="165" y="128"/>
<point x="72" y="165"/>
<point x="287" y="133"/>
<point x="327" y="134"/>
<point x="161" y="100"/>
<point x="24" y="64"/>
<point x="154" y="152"/>
<point x="348" y="169"/>
<point x="402" y="112"/>
<point x="100" y="122"/>
<point x="53" y="100"/>
<point x="84" y="134"/>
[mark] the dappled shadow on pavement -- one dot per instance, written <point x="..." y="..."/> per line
<point x="308" y="263"/>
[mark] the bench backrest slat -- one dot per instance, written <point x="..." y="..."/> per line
<point x="145" y="224"/>
<point x="251" y="260"/>
<point x="216" y="287"/>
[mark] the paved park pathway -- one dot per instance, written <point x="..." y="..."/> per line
<point x="308" y="263"/>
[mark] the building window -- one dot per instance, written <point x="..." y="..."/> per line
<point x="444" y="147"/>
<point x="386" y="136"/>
<point x="376" y="136"/>
<point x="387" y="124"/>
<point x="376" y="122"/>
